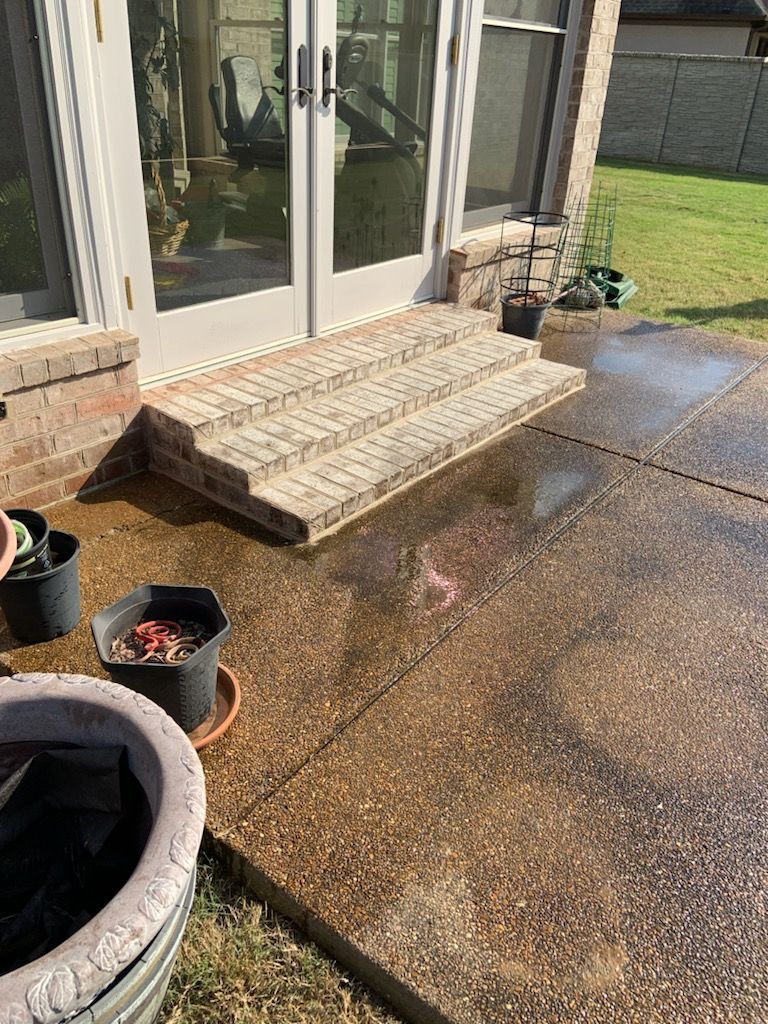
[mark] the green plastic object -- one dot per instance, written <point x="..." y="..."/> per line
<point x="24" y="539"/>
<point x="617" y="287"/>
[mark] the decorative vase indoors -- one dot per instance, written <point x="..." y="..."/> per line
<point x="117" y="965"/>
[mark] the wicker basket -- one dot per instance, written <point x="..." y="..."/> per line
<point x="164" y="239"/>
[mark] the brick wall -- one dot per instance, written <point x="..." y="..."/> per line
<point x="475" y="268"/>
<point x="586" y="98"/>
<point x="690" y="110"/>
<point x="73" y="418"/>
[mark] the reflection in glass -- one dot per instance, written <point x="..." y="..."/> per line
<point x="547" y="11"/>
<point x="211" y="117"/>
<point x="21" y="263"/>
<point x="510" y="118"/>
<point x="34" y="282"/>
<point x="385" y="58"/>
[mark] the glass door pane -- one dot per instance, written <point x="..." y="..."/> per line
<point x="33" y="277"/>
<point x="213" y="132"/>
<point x="548" y="11"/>
<point x="384" y="71"/>
<point x="510" y="122"/>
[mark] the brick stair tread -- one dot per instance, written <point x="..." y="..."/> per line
<point x="315" y="496"/>
<point x="271" y="446"/>
<point x="210" y="404"/>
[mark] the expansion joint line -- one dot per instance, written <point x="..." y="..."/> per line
<point x="519" y="568"/>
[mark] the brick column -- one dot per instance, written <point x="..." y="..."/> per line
<point x="586" y="99"/>
<point x="74" y="418"/>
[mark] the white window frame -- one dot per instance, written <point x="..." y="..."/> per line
<point x="469" y="26"/>
<point x="68" y="41"/>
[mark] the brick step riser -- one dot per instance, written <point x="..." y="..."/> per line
<point x="224" y="493"/>
<point x="251" y="409"/>
<point x="367" y="425"/>
<point x="296" y="529"/>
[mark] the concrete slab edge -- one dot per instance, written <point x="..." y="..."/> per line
<point x="400" y="997"/>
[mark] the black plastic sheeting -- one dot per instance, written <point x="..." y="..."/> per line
<point x="73" y="823"/>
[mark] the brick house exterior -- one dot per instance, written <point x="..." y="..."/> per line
<point x="738" y="28"/>
<point x="474" y="266"/>
<point x="70" y="379"/>
<point x="74" y="418"/>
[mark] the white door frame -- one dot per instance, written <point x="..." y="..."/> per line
<point x="469" y="26"/>
<point x="355" y="294"/>
<point x="90" y="90"/>
<point x="316" y="300"/>
<point x="220" y="328"/>
<point x="68" y="43"/>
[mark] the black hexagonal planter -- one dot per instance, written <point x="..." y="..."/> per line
<point x="187" y="691"/>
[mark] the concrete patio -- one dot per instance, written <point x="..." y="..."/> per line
<point x="503" y="737"/>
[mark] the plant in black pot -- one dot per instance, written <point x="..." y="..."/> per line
<point x="163" y="641"/>
<point x="40" y="594"/>
<point x="530" y="253"/>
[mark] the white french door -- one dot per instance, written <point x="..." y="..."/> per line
<point x="274" y="166"/>
<point x="383" y="68"/>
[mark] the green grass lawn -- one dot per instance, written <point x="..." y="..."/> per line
<point x="696" y="243"/>
<point x="239" y="963"/>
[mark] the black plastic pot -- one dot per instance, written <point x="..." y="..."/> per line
<point x="47" y="604"/>
<point x="186" y="691"/>
<point x="523" y="321"/>
<point x="38" y="558"/>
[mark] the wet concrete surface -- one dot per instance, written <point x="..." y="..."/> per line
<point x="644" y="378"/>
<point x="319" y="630"/>
<point x="131" y="503"/>
<point x="560" y="814"/>
<point x="502" y="739"/>
<point x="728" y="444"/>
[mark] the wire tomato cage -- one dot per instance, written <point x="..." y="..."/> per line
<point x="586" y="259"/>
<point x="531" y="249"/>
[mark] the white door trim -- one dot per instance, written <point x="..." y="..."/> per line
<point x="68" y="46"/>
<point x="174" y="339"/>
<point x="469" y="26"/>
<point x="355" y="294"/>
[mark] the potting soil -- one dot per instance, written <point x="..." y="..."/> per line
<point x="131" y="647"/>
<point x="73" y="824"/>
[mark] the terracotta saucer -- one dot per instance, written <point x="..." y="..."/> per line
<point x="224" y="711"/>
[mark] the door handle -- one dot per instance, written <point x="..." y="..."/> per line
<point x="327" y="69"/>
<point x="328" y="89"/>
<point x="303" y="90"/>
<point x="342" y="93"/>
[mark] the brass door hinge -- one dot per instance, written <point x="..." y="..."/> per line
<point x="455" y="44"/>
<point x="440" y="231"/>
<point x="99" y="23"/>
<point x="128" y="292"/>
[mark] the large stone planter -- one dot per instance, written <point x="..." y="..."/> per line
<point x="94" y="712"/>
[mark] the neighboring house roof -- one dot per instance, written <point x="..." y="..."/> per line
<point x="696" y="10"/>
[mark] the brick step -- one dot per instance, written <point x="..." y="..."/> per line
<point x="310" y="498"/>
<point x="278" y="443"/>
<point x="211" y="404"/>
